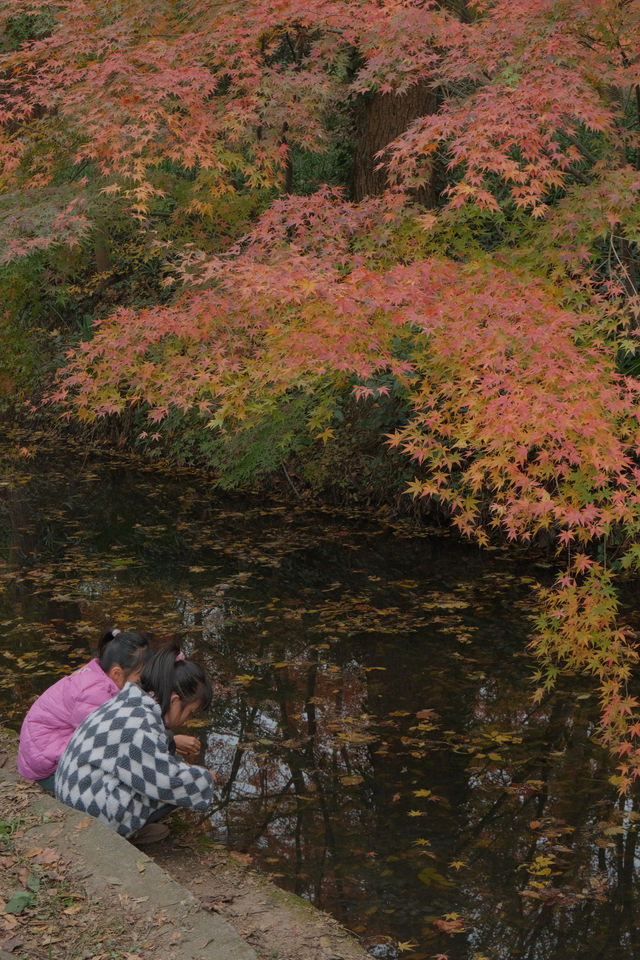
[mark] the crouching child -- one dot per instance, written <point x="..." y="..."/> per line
<point x="119" y="766"/>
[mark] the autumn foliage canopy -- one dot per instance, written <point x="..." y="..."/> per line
<point x="491" y="289"/>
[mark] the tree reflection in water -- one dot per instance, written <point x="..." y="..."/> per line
<point x="472" y="826"/>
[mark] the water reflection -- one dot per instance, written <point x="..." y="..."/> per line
<point x="373" y="720"/>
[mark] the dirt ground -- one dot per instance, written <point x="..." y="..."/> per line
<point x="47" y="914"/>
<point x="277" y="924"/>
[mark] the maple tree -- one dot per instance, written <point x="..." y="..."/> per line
<point x="504" y="317"/>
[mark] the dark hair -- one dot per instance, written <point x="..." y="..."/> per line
<point x="127" y="649"/>
<point x="163" y="676"/>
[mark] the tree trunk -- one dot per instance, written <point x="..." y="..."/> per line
<point x="380" y="118"/>
<point x="102" y="252"/>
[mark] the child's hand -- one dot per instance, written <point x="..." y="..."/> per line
<point x="187" y="747"/>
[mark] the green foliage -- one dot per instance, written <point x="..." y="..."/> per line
<point x="326" y="442"/>
<point x="244" y="455"/>
<point x="311" y="169"/>
<point x="22" y="359"/>
<point x="25" y="27"/>
<point x="354" y="463"/>
<point x="9" y="827"/>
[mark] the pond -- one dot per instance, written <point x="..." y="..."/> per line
<point x="373" y="721"/>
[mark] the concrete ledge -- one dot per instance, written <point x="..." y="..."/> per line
<point x="108" y="867"/>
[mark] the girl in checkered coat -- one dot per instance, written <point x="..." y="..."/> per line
<point x="119" y="765"/>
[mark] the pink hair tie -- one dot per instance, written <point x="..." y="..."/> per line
<point x="179" y="656"/>
<point x="115" y="632"/>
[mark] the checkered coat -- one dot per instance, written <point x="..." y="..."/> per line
<point x="117" y="765"/>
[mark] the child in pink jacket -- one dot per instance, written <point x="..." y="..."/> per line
<point x="57" y="712"/>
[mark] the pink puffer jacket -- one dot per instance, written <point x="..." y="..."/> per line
<point x="54" y="716"/>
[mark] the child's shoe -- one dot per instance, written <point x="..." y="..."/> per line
<point x="150" y="833"/>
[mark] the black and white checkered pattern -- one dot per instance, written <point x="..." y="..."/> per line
<point x="118" y="767"/>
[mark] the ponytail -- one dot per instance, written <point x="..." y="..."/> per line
<point x="167" y="672"/>
<point x="127" y="649"/>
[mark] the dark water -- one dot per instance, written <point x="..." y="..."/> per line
<point x="373" y="718"/>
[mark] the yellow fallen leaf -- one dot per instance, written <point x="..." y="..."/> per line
<point x="83" y="823"/>
<point x="48" y="855"/>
